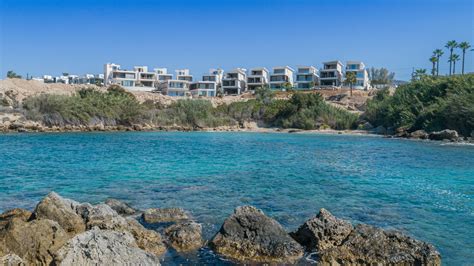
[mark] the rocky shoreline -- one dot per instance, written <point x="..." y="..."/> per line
<point x="61" y="231"/>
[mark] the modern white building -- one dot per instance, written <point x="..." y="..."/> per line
<point x="145" y="79"/>
<point x="307" y="78"/>
<point x="331" y="74"/>
<point x="174" y="87"/>
<point x="214" y="75"/>
<point x="280" y="77"/>
<point x="360" y="71"/>
<point x="258" y="77"/>
<point x="183" y="74"/>
<point x="138" y="79"/>
<point x="162" y="74"/>
<point x="203" y="88"/>
<point x="234" y="81"/>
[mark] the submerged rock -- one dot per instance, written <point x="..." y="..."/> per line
<point x="104" y="247"/>
<point x="322" y="231"/>
<point x="61" y="210"/>
<point x="33" y="241"/>
<point x="185" y="236"/>
<point x="121" y="208"/>
<point x="249" y="235"/>
<point x="367" y="245"/>
<point x="338" y="243"/>
<point x="163" y="215"/>
<point x="447" y="134"/>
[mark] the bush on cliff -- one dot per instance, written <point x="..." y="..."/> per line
<point x="116" y="106"/>
<point x="431" y="104"/>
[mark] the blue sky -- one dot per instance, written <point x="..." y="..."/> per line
<point x="50" y="37"/>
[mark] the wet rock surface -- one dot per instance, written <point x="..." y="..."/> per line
<point x="322" y="231"/>
<point x="339" y="243"/>
<point x="446" y="134"/>
<point x="185" y="236"/>
<point x="249" y="235"/>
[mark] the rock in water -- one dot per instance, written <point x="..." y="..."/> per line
<point x="11" y="260"/>
<point x="249" y="235"/>
<point x="185" y="236"/>
<point x="120" y="207"/>
<point x="338" y="243"/>
<point x="419" y="134"/>
<point x="104" y="217"/>
<point x="104" y="247"/>
<point x="148" y="240"/>
<point x="163" y="215"/>
<point x="61" y="210"/>
<point x="367" y="245"/>
<point x="34" y="241"/>
<point x="322" y="231"/>
<point x="447" y="134"/>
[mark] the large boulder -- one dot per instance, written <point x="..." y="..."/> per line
<point x="367" y="245"/>
<point x="446" y="134"/>
<point x="120" y="207"/>
<point x="337" y="242"/>
<point x="419" y="134"/>
<point x="61" y="210"/>
<point x="104" y="217"/>
<point x="103" y="247"/>
<point x="33" y="241"/>
<point x="249" y="235"/>
<point x="184" y="236"/>
<point x="163" y="215"/>
<point x="322" y="231"/>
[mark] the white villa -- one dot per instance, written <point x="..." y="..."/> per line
<point x="162" y="74"/>
<point x="138" y="79"/>
<point x="215" y="75"/>
<point x="183" y="74"/>
<point x="281" y="76"/>
<point x="362" y="76"/>
<point x="331" y="74"/>
<point x="234" y="81"/>
<point x="307" y="78"/>
<point x="174" y="87"/>
<point x="203" y="88"/>
<point x="258" y="77"/>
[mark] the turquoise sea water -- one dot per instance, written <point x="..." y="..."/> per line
<point x="425" y="189"/>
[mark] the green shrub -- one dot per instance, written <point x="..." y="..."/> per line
<point x="429" y="103"/>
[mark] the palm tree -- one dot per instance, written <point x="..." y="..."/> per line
<point x="452" y="59"/>
<point x="464" y="46"/>
<point x="351" y="79"/>
<point x="438" y="53"/>
<point x="451" y="45"/>
<point x="419" y="73"/>
<point x="433" y="60"/>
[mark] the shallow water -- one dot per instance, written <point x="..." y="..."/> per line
<point x="425" y="189"/>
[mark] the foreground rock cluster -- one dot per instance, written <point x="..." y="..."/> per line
<point x="61" y="231"/>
